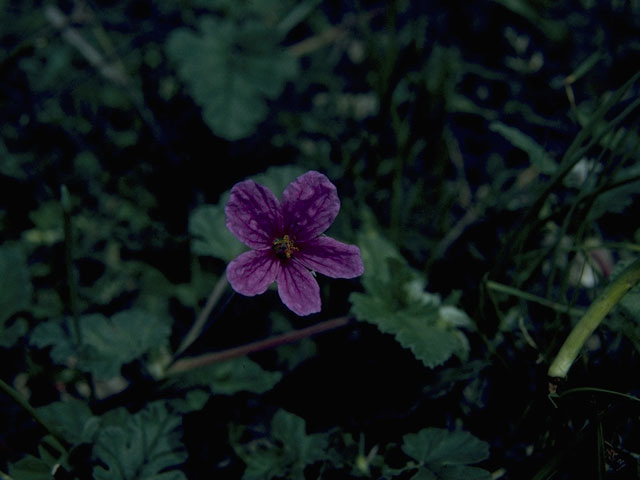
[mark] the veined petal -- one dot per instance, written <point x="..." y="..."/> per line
<point x="330" y="257"/>
<point x="309" y="204"/>
<point x="252" y="272"/>
<point x="253" y="214"/>
<point x="298" y="289"/>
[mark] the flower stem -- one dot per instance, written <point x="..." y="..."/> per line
<point x="289" y="337"/>
<point x="500" y="287"/>
<point x="20" y="400"/>
<point x="592" y="318"/>
<point x="197" y="327"/>
<point x="65" y="201"/>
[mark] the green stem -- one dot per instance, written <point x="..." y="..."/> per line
<point x="499" y="287"/>
<point x="65" y="200"/>
<point x="197" y="327"/>
<point x="20" y="400"/>
<point x="592" y="318"/>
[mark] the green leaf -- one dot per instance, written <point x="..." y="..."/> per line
<point x="51" y="456"/>
<point x="278" y="178"/>
<point x="54" y="333"/>
<point x="229" y="377"/>
<point x="107" y="344"/>
<point x="145" y="446"/>
<point x="30" y="468"/>
<point x="128" y="335"/>
<point x="445" y="455"/>
<point x="12" y="165"/>
<point x="288" y="453"/>
<point x="231" y="69"/>
<point x="397" y="303"/>
<point x="210" y="234"/>
<point x="72" y="419"/>
<point x="15" y="282"/>
<point x="538" y="156"/>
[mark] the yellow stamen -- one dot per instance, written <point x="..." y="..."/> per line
<point x="284" y="247"/>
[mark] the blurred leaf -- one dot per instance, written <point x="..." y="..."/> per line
<point x="231" y="69"/>
<point x="51" y="455"/>
<point x="278" y="178"/>
<point x="211" y="237"/>
<point x="537" y="155"/>
<point x="107" y="344"/>
<point x="145" y="446"/>
<point x="13" y="165"/>
<point x="445" y="455"/>
<point x="15" y="293"/>
<point x="110" y="343"/>
<point x="397" y="303"/>
<point x="10" y="334"/>
<point x="15" y="282"/>
<point x="288" y="453"/>
<point x="72" y="419"/>
<point x="229" y="377"/>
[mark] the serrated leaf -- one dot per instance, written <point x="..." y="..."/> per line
<point x="231" y="69"/>
<point x="290" y="451"/>
<point x="397" y="303"/>
<point x="15" y="282"/>
<point x="229" y="377"/>
<point x="446" y="455"/>
<point x="146" y="446"/>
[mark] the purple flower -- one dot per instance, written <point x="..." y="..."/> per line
<point x="287" y="242"/>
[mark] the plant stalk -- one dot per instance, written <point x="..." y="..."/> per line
<point x="65" y="200"/>
<point x="599" y="309"/>
<point x="209" y="358"/>
<point x="26" y="406"/>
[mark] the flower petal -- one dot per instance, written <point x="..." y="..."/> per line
<point x="252" y="272"/>
<point x="253" y="214"/>
<point x="298" y="289"/>
<point x="309" y="204"/>
<point x="330" y="257"/>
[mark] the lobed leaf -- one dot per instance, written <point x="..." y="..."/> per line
<point x="145" y="446"/>
<point x="395" y="300"/>
<point x="288" y="453"/>
<point x="107" y="343"/>
<point x="231" y="69"/>
<point x="446" y="455"/>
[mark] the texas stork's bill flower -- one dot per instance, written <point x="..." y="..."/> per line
<point x="287" y="241"/>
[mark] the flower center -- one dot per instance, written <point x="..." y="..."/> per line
<point x="284" y="247"/>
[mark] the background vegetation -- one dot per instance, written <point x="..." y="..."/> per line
<point x="486" y="157"/>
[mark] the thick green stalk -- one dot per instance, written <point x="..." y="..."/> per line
<point x="599" y="309"/>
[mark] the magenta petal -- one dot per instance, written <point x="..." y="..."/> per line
<point x="310" y="204"/>
<point x="298" y="289"/>
<point x="253" y="214"/>
<point x="331" y="257"/>
<point x="252" y="272"/>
